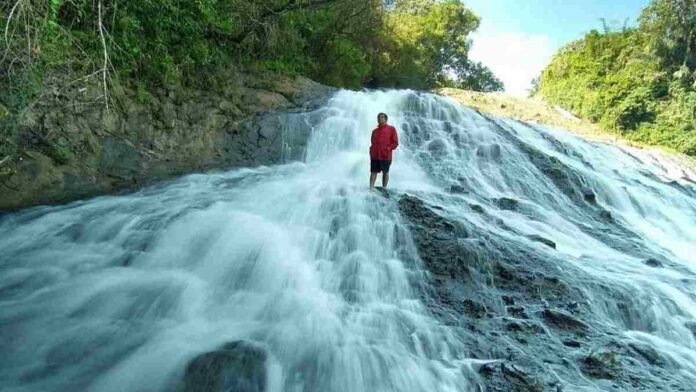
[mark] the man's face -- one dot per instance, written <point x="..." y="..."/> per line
<point x="381" y="119"/>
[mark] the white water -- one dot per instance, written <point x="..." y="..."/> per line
<point x="119" y="293"/>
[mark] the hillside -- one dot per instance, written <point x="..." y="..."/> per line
<point x="639" y="82"/>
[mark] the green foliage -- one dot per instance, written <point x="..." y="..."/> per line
<point x="638" y="82"/>
<point x="346" y="43"/>
<point x="425" y="44"/>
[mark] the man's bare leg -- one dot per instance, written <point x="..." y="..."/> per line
<point x="385" y="179"/>
<point x="373" y="178"/>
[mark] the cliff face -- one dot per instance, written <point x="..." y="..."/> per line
<point x="72" y="147"/>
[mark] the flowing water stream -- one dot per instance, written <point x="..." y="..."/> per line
<point x="119" y="293"/>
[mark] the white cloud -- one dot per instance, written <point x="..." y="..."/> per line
<point x="514" y="57"/>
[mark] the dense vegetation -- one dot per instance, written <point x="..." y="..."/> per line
<point x="347" y="43"/>
<point x="149" y="43"/>
<point x="639" y="81"/>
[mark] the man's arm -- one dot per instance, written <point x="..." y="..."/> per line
<point x="394" y="139"/>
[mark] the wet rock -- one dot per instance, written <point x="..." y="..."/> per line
<point x="652" y="262"/>
<point x="601" y="364"/>
<point x="438" y="240"/>
<point x="588" y="195"/>
<point x="606" y="216"/>
<point x="474" y="309"/>
<point x="491" y="151"/>
<point x="520" y="325"/>
<point x="517" y="311"/>
<point x="236" y="367"/>
<point x="563" y="320"/>
<point x="545" y="241"/>
<point x="457" y="189"/>
<point x="691" y="326"/>
<point x="506" y="203"/>
<point x="506" y="376"/>
<point x="477" y="208"/>
<point x="437" y="147"/>
<point x="571" y="343"/>
<point x="647" y="352"/>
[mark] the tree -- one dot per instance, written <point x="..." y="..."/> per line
<point x="423" y="43"/>
<point x="471" y="75"/>
<point x="670" y="27"/>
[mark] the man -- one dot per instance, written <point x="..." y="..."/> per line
<point x="384" y="141"/>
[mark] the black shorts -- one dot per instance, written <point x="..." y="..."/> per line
<point x="377" y="166"/>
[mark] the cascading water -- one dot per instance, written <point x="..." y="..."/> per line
<point x="303" y="260"/>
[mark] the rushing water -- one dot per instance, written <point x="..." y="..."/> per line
<point x="119" y="293"/>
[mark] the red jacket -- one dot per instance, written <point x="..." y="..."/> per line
<point x="384" y="141"/>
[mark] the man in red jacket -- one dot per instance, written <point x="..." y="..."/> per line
<point x="384" y="141"/>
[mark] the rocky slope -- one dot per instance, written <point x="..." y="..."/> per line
<point x="72" y="146"/>
<point x="527" y="309"/>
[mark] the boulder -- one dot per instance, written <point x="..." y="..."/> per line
<point x="457" y="189"/>
<point x="545" y="241"/>
<point x="562" y="320"/>
<point x="602" y="363"/>
<point x="652" y="262"/>
<point x="238" y="366"/>
<point x="506" y="203"/>
<point x="507" y="376"/>
<point x="588" y="195"/>
<point x="437" y="147"/>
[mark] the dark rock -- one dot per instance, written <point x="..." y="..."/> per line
<point x="588" y="195"/>
<point x="571" y="343"/>
<point x="474" y="308"/>
<point x="563" y="320"/>
<point x="517" y="311"/>
<point x="491" y="151"/>
<point x="506" y="376"/>
<point x="520" y="325"/>
<point x="506" y="203"/>
<point x="606" y="216"/>
<point x="477" y="208"/>
<point x="652" y="262"/>
<point x="236" y="367"/>
<point x="119" y="158"/>
<point x="545" y="241"/>
<point x="601" y="364"/>
<point x="437" y="147"/>
<point x="457" y="189"/>
<point x="648" y="353"/>
<point x="691" y="326"/>
<point x="382" y="191"/>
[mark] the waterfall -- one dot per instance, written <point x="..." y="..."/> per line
<point x="303" y="260"/>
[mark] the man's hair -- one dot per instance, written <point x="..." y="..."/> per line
<point x="383" y="114"/>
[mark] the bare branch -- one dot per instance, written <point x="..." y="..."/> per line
<point x="7" y="28"/>
<point x="105" y="68"/>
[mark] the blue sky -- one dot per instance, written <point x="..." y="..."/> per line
<point x="517" y="38"/>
